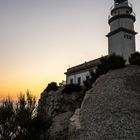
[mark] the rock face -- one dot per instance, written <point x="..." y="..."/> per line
<point x="59" y="107"/>
<point x="111" y="109"/>
<point x="59" y="127"/>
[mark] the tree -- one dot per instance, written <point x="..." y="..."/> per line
<point x="89" y="81"/>
<point x="107" y="63"/>
<point x="71" y="88"/>
<point x="134" y="59"/>
<point x="24" y="113"/>
<point x="111" y="62"/>
<point x="51" y="87"/>
<point x="20" y="121"/>
<point x="7" y="125"/>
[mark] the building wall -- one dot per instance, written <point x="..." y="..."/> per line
<point x="75" y="76"/>
<point x="79" y="74"/>
<point x="121" y="11"/>
<point x="124" y="22"/>
<point x="122" y="44"/>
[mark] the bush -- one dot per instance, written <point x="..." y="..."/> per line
<point x="51" y="87"/>
<point x="71" y="88"/>
<point x="88" y="82"/>
<point x="134" y="59"/>
<point x="106" y="63"/>
<point x="110" y="63"/>
<point x="7" y="127"/>
<point x="20" y="121"/>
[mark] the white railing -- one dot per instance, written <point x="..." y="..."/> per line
<point x="118" y="5"/>
<point x="133" y="14"/>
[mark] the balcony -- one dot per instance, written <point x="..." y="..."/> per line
<point x="132" y="14"/>
<point x="128" y="4"/>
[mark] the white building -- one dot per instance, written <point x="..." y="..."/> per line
<point x="79" y="73"/>
<point x="121" y="41"/>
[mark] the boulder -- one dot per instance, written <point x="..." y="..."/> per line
<point x="111" y="108"/>
<point x="59" y="108"/>
<point x="59" y="127"/>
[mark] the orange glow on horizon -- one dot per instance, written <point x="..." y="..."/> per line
<point x="13" y="89"/>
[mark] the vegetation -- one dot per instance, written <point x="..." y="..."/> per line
<point x="71" y="88"/>
<point x="106" y="63"/>
<point x="134" y="59"/>
<point x="51" y="87"/>
<point x="20" y="121"/>
<point x="111" y="62"/>
<point x="89" y="81"/>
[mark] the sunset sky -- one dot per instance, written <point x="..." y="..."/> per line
<point x="40" y="39"/>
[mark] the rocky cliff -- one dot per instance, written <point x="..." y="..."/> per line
<point x="110" y="110"/>
<point x="59" y="107"/>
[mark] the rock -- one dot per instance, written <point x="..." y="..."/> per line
<point x="55" y="103"/>
<point x="74" y="125"/>
<point x="75" y="120"/>
<point x="111" y="109"/>
<point x="59" y="107"/>
<point x="59" y="127"/>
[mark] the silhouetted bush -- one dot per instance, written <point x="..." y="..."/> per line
<point x="7" y="124"/>
<point x="89" y="81"/>
<point x="106" y="63"/>
<point x="20" y="121"/>
<point x="36" y="127"/>
<point x="51" y="87"/>
<point x="110" y="63"/>
<point x="134" y="59"/>
<point x="72" y="88"/>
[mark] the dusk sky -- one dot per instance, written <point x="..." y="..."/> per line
<point x="40" y="39"/>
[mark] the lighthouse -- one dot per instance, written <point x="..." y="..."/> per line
<point x="121" y="41"/>
<point x="121" y="38"/>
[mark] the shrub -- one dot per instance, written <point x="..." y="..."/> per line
<point x="7" y="127"/>
<point x="20" y="121"/>
<point x="88" y="82"/>
<point x="110" y="63"/>
<point x="72" y="88"/>
<point x="51" y="87"/>
<point x="106" y="63"/>
<point x="134" y="59"/>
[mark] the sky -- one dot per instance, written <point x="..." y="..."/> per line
<point x="40" y="39"/>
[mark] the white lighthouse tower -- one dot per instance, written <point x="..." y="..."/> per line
<point x="121" y="38"/>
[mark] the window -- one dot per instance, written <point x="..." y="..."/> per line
<point x="71" y="81"/>
<point x="79" y="80"/>
<point x="128" y="36"/>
